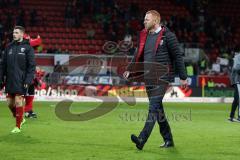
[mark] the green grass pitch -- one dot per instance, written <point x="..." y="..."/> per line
<point x="201" y="131"/>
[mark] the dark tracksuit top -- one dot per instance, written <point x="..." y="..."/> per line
<point x="17" y="67"/>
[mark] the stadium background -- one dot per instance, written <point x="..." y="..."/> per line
<point x="94" y="40"/>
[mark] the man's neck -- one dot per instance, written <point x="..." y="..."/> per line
<point x="20" y="40"/>
<point x="154" y="29"/>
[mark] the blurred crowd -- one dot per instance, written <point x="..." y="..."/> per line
<point x="213" y="34"/>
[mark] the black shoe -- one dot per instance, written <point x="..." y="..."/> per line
<point x="230" y="119"/>
<point x="238" y="120"/>
<point x="138" y="141"/>
<point x="167" y="144"/>
<point x="234" y="120"/>
<point x="30" y="114"/>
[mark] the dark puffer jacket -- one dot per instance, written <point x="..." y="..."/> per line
<point x="167" y="53"/>
<point x="17" y="67"/>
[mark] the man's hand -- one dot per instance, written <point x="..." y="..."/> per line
<point x="183" y="83"/>
<point x="126" y="75"/>
<point x="25" y="85"/>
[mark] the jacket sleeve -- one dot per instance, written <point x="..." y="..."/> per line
<point x="31" y="65"/>
<point x="3" y="65"/>
<point x="176" y="55"/>
<point x="133" y="60"/>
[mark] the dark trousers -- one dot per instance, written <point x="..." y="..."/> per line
<point x="235" y="102"/>
<point x="156" y="113"/>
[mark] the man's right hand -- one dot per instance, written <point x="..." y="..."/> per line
<point x="126" y="75"/>
<point x="25" y="86"/>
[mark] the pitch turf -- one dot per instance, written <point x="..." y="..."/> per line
<point x="201" y="131"/>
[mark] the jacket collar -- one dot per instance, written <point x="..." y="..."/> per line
<point x="142" y="41"/>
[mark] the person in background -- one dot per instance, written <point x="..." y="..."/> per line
<point x="235" y="81"/>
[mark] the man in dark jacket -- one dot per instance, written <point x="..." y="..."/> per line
<point x="157" y="45"/>
<point x="17" y="72"/>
